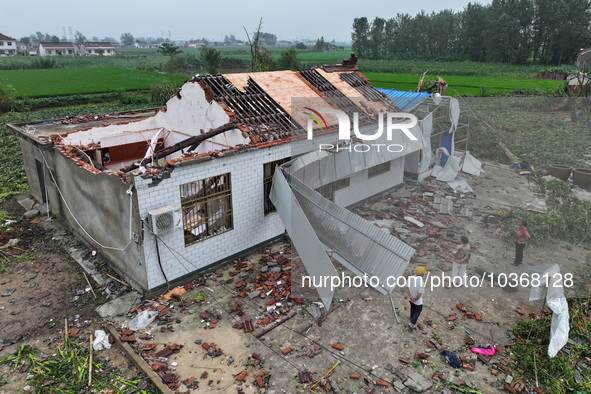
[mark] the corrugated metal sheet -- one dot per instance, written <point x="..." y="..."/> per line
<point x="404" y="100"/>
<point x="362" y="244"/>
<point x="317" y="169"/>
<point x="302" y="235"/>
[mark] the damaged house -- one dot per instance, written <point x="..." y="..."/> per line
<point x="164" y="194"/>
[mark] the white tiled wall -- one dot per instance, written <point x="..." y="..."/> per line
<point x="362" y="187"/>
<point x="251" y="226"/>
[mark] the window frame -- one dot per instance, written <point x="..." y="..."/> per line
<point x="199" y="202"/>
<point x="268" y="172"/>
<point x="379" y="169"/>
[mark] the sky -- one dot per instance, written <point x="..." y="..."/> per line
<point x="192" y="19"/>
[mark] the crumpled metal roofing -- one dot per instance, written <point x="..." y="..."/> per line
<point x="362" y="244"/>
<point x="403" y="99"/>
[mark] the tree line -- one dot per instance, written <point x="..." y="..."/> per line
<point x="507" y="31"/>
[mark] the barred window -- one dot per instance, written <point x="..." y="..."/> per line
<point x="268" y="172"/>
<point x="207" y="208"/>
<point x="379" y="169"/>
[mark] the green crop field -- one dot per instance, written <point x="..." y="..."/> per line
<point x="459" y="86"/>
<point x="70" y="81"/>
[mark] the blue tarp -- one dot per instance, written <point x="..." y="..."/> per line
<point x="402" y="99"/>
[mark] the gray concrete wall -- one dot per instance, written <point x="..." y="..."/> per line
<point x="95" y="206"/>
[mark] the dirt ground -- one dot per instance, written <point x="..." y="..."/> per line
<point x="49" y="288"/>
<point x="374" y="345"/>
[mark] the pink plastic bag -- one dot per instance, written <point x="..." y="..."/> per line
<point x="487" y="351"/>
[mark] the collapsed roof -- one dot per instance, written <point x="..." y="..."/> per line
<point x="256" y="110"/>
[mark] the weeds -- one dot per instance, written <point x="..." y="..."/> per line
<point x="567" y="218"/>
<point x="556" y="374"/>
<point x="67" y="371"/>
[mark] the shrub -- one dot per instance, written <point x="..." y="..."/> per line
<point x="162" y="91"/>
<point x="43" y="63"/>
<point x="7" y="96"/>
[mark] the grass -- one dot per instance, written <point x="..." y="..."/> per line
<point x="69" y="81"/>
<point x="540" y="130"/>
<point x="67" y="371"/>
<point x="463" y="85"/>
<point x="555" y="374"/>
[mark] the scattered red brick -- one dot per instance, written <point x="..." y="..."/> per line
<point x="354" y="375"/>
<point x="73" y="332"/>
<point x="382" y="383"/>
<point x="287" y="350"/>
<point x="241" y="376"/>
<point x="259" y="382"/>
<point x="520" y="312"/>
<point x="337" y="346"/>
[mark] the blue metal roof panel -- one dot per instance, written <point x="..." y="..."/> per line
<point x="402" y="99"/>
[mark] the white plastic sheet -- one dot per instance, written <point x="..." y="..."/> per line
<point x="471" y="165"/>
<point x="448" y="172"/>
<point x="142" y="320"/>
<point x="101" y="340"/>
<point x="556" y="301"/>
<point x="460" y="185"/>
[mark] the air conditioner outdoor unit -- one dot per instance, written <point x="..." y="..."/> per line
<point x="165" y="219"/>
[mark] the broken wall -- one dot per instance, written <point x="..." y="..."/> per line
<point x="96" y="206"/>
<point x="251" y="227"/>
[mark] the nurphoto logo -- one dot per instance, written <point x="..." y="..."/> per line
<point x="397" y="126"/>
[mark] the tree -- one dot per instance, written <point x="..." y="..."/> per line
<point x="360" y="36"/>
<point x="261" y="58"/>
<point x="167" y="49"/>
<point x="300" y="45"/>
<point x="230" y="40"/>
<point x="473" y="34"/>
<point x="212" y="59"/>
<point x="319" y="44"/>
<point x="377" y="38"/>
<point x="268" y="39"/>
<point x="288" y="60"/>
<point x="26" y="41"/>
<point x="79" y="38"/>
<point x="127" y="39"/>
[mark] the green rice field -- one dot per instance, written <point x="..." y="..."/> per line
<point x="70" y="81"/>
<point x="463" y="85"/>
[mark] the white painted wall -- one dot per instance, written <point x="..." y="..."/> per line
<point x="251" y="226"/>
<point x="192" y="114"/>
<point x="362" y="187"/>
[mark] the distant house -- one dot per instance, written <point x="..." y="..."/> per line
<point x="196" y="44"/>
<point x="58" y="49"/>
<point x="21" y="48"/>
<point x="323" y="48"/>
<point x="145" y="44"/>
<point x="584" y="58"/>
<point x="97" y="48"/>
<point x="115" y="44"/>
<point x="7" y="45"/>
